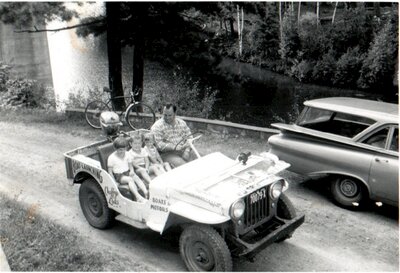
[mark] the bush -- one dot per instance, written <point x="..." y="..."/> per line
<point x="191" y="98"/>
<point x="27" y="93"/>
<point x="378" y="68"/>
<point x="348" y="68"/>
<point x="302" y="71"/>
<point x="289" y="45"/>
<point x="324" y="70"/>
<point x="4" y="76"/>
<point x="83" y="97"/>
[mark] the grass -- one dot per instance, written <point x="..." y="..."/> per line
<point x="33" y="243"/>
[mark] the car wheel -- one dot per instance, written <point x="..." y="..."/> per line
<point x="285" y="210"/>
<point x="203" y="249"/>
<point x="94" y="205"/>
<point x="347" y="191"/>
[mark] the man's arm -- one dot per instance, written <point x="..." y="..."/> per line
<point x="162" y="145"/>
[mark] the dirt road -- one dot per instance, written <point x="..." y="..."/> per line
<point x="331" y="239"/>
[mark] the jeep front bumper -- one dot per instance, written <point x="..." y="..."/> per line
<point x="251" y="249"/>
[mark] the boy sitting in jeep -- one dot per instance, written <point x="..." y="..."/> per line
<point x="121" y="169"/>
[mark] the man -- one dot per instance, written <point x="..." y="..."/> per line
<point x="168" y="132"/>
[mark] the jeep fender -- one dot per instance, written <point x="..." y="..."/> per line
<point x="182" y="212"/>
<point x="197" y="214"/>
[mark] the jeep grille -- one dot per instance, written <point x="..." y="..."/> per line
<point x="257" y="209"/>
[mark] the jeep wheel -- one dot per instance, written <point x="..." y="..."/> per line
<point x="285" y="210"/>
<point x="94" y="205"/>
<point x="203" y="249"/>
<point x="347" y="191"/>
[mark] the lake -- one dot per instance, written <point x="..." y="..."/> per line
<point x="255" y="96"/>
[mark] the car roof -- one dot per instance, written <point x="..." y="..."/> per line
<point x="376" y="110"/>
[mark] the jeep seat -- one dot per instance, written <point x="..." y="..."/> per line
<point x="104" y="152"/>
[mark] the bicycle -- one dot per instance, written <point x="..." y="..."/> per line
<point x="137" y="114"/>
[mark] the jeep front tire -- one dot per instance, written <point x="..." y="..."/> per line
<point x="203" y="249"/>
<point x="286" y="211"/>
<point x="94" y="205"/>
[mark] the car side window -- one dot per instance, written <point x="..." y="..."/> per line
<point x="378" y="139"/>
<point x="394" y="144"/>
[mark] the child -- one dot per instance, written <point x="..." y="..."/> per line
<point x="153" y="162"/>
<point x="138" y="164"/>
<point x="120" y="167"/>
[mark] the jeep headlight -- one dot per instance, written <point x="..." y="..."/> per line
<point x="237" y="209"/>
<point x="276" y="189"/>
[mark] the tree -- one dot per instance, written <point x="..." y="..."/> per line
<point x="114" y="53"/>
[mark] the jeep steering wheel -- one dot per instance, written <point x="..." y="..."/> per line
<point x="187" y="139"/>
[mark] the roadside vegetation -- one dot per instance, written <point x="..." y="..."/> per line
<point x="33" y="243"/>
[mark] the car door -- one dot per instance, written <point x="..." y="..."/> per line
<point x="384" y="171"/>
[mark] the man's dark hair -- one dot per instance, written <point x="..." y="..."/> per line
<point x="169" y="105"/>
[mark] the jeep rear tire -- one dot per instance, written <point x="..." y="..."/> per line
<point x="94" y="205"/>
<point x="285" y="210"/>
<point x="203" y="249"/>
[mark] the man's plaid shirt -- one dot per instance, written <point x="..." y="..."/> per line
<point x="165" y="133"/>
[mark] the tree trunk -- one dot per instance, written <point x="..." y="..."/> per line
<point x="334" y="13"/>
<point x="114" y="54"/>
<point x="240" y="23"/>
<point x="317" y="13"/>
<point x="298" y="13"/>
<point x="280" y="20"/>
<point x="232" y="27"/>
<point x="138" y="68"/>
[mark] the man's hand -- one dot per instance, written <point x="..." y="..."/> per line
<point x="182" y="146"/>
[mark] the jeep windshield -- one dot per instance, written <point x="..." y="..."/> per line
<point x="343" y="124"/>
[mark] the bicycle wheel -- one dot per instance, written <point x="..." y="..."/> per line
<point x="140" y="116"/>
<point x="93" y="111"/>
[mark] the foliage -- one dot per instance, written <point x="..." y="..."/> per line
<point x="4" y="76"/>
<point x="81" y="98"/>
<point x="302" y="70"/>
<point x="31" y="93"/>
<point x="313" y="38"/>
<point x="263" y="37"/>
<point x="23" y="92"/>
<point x="23" y="14"/>
<point x="348" y="68"/>
<point x="289" y="46"/>
<point x="187" y="94"/>
<point x="325" y="68"/>
<point x="378" y="68"/>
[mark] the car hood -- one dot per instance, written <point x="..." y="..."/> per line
<point x="215" y="181"/>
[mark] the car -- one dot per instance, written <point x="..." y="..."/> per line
<point x="223" y="207"/>
<point x="351" y="141"/>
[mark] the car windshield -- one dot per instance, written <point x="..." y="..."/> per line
<point x="337" y="123"/>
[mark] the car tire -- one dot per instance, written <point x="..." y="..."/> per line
<point x="94" y="205"/>
<point x="285" y="210"/>
<point x="203" y="249"/>
<point x="347" y="191"/>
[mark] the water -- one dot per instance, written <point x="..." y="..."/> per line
<point x="255" y="96"/>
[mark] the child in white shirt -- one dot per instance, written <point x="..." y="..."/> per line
<point x="120" y="167"/>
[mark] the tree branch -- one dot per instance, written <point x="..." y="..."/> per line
<point x="59" y="29"/>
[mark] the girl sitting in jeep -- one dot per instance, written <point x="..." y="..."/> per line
<point x="153" y="161"/>
<point x="120" y="167"/>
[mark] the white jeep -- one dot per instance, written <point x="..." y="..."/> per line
<point x="225" y="207"/>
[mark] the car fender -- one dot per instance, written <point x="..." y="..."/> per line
<point x="337" y="174"/>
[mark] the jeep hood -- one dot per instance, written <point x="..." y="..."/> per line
<point x="215" y="181"/>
